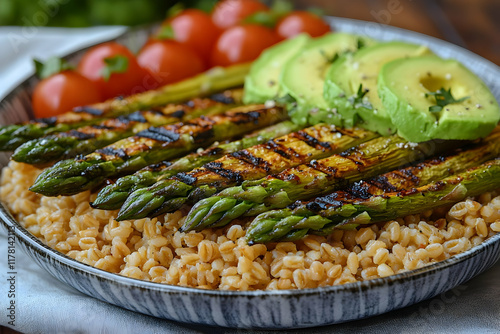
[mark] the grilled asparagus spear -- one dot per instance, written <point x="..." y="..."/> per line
<point x="87" y="139"/>
<point x="214" y="80"/>
<point x="308" y="180"/>
<point x="452" y="189"/>
<point x="455" y="188"/>
<point x="114" y="195"/>
<point x="252" y="163"/>
<point x="326" y="212"/>
<point x="151" y="146"/>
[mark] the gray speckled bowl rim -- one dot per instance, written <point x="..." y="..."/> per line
<point x="35" y="244"/>
<point x="375" y="30"/>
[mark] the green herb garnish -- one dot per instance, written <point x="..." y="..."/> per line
<point x="358" y="99"/>
<point x="443" y="98"/>
<point x="360" y="43"/>
<point x="329" y="59"/>
<point x="285" y="99"/>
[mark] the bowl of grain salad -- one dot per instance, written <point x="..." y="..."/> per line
<point x="215" y="277"/>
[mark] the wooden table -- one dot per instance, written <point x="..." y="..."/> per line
<point x="473" y="24"/>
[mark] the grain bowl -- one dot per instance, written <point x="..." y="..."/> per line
<point x="149" y="266"/>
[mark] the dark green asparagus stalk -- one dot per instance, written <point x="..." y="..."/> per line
<point x="212" y="81"/>
<point x="449" y="190"/>
<point x="308" y="180"/>
<point x="114" y="195"/>
<point x="333" y="210"/>
<point x="12" y="136"/>
<point x="249" y="164"/>
<point x="85" y="140"/>
<point x="151" y="146"/>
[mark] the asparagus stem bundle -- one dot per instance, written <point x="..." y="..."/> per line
<point x="328" y="212"/>
<point x="449" y="190"/>
<point x="87" y="139"/>
<point x="308" y="180"/>
<point x="114" y="195"/>
<point x="151" y="146"/>
<point x="214" y="80"/>
<point x="252" y="163"/>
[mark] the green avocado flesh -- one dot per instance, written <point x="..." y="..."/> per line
<point x="362" y="68"/>
<point x="404" y="83"/>
<point x="261" y="84"/>
<point x="303" y="76"/>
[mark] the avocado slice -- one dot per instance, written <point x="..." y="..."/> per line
<point x="360" y="70"/>
<point x="404" y="86"/>
<point x="261" y="83"/>
<point x="303" y="76"/>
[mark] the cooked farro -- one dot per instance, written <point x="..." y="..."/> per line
<point x="155" y="250"/>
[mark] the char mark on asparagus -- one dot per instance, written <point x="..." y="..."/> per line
<point x="434" y="182"/>
<point x="89" y="138"/>
<point x="114" y="195"/>
<point x="233" y="169"/>
<point x="163" y="143"/>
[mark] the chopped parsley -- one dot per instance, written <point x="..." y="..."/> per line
<point x="358" y="100"/>
<point x="443" y="98"/>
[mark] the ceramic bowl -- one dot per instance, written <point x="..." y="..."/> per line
<point x="265" y="309"/>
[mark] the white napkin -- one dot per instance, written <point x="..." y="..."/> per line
<point x="45" y="305"/>
<point x="19" y="45"/>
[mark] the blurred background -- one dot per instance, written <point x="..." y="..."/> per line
<point x="473" y="24"/>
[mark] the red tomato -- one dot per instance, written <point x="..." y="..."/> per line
<point x="62" y="92"/>
<point x="229" y="13"/>
<point x="169" y="61"/>
<point x="299" y="21"/>
<point x="195" y="29"/>
<point x="119" y="84"/>
<point x="241" y="44"/>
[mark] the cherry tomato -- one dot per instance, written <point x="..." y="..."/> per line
<point x="195" y="29"/>
<point x="62" y="92"/>
<point x="128" y="80"/>
<point x="241" y="43"/>
<point x="229" y="13"/>
<point x="169" y="61"/>
<point x="301" y="21"/>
